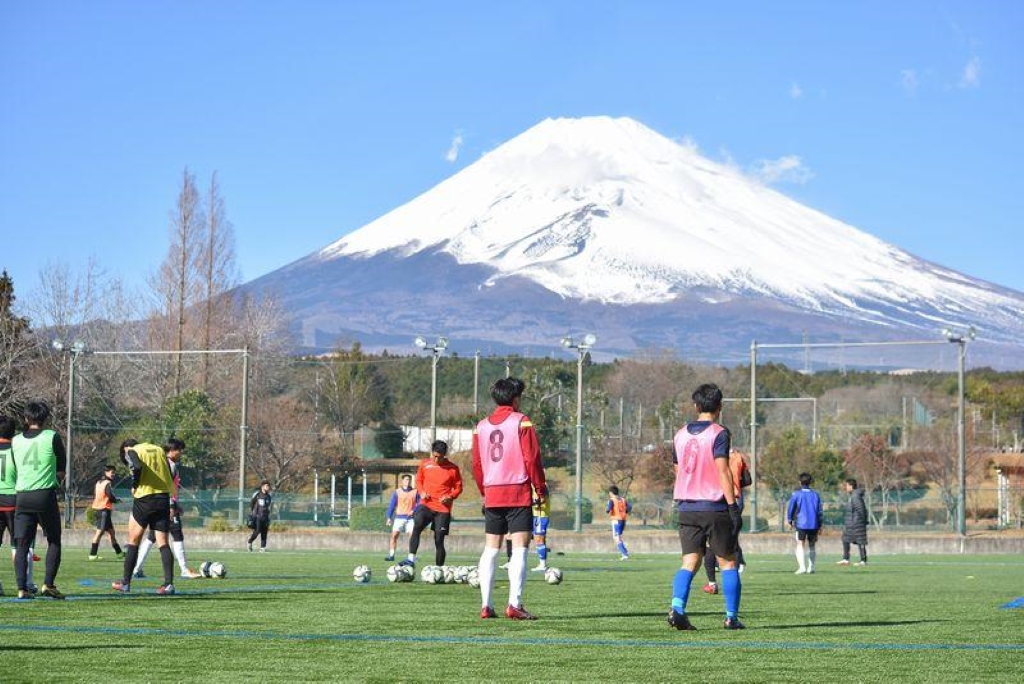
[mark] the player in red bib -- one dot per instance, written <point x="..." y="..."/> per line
<point x="508" y="470"/>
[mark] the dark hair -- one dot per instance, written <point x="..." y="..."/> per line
<point x="109" y="466"/>
<point x="852" y="482"/>
<point x="7" y="427"/>
<point x="265" y="482"/>
<point x="506" y="390"/>
<point x="707" y="398"/>
<point x="439" y="447"/>
<point x="806" y="479"/>
<point x="174" y="444"/>
<point x="128" y="444"/>
<point x="614" y="490"/>
<point x="405" y="476"/>
<point x="36" y="413"/>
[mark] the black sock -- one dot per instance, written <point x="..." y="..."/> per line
<point x="94" y="549"/>
<point x="167" y="559"/>
<point x="130" y="559"/>
<point x="117" y="548"/>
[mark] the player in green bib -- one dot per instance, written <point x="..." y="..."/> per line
<point x="39" y="461"/>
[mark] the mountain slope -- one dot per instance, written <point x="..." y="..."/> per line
<point x="606" y="216"/>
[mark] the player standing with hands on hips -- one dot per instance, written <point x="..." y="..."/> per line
<point x="508" y="470"/>
<point x="708" y="513"/>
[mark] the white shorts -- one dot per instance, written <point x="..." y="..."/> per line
<point x="402" y="525"/>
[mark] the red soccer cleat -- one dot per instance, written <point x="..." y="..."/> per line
<point x="710" y="588"/>
<point x="518" y="613"/>
<point x="487" y="612"/>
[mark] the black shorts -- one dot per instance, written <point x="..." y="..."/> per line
<point x="153" y="511"/>
<point x="712" y="529"/>
<point x="440" y="522"/>
<point x="103" y="520"/>
<point x="810" y="535"/>
<point x="40" y="508"/>
<point x="508" y="520"/>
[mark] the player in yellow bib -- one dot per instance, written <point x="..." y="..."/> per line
<point x="152" y="486"/>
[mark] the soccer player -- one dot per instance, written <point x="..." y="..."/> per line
<point x="404" y="501"/>
<point x="152" y="486"/>
<point x="439" y="483"/>
<point x="259" y="513"/>
<point x="804" y="515"/>
<point x="103" y="505"/>
<point x="541" y="513"/>
<point x="618" y="509"/>
<point x="39" y="461"/>
<point x="177" y="542"/>
<point x="8" y="496"/>
<point x="508" y="471"/>
<point x="708" y="513"/>
<point x="740" y="479"/>
<point x="855" y="523"/>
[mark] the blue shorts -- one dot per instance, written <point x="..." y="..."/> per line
<point x="540" y="526"/>
<point x="618" y="527"/>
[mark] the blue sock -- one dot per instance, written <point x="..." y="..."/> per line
<point x="732" y="589"/>
<point x="681" y="589"/>
<point x="542" y="552"/>
<point x="622" y="549"/>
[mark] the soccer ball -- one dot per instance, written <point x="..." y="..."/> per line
<point x="408" y="573"/>
<point x="213" y="569"/>
<point x="553" y="576"/>
<point x="431" y="574"/>
<point x="473" y="577"/>
<point x="449" y="574"/>
<point x="395" y="573"/>
<point x="461" y="574"/>
<point x="362" y="573"/>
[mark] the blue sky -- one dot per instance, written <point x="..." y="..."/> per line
<point x="901" y="118"/>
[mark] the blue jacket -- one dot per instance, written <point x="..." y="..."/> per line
<point x="804" y="510"/>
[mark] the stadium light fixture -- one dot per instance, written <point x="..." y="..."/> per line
<point x="437" y="350"/>
<point x="581" y="346"/>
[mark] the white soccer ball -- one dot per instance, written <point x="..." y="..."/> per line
<point x="213" y="569"/>
<point x="395" y="573"/>
<point x="553" y="576"/>
<point x="431" y="574"/>
<point x="473" y="578"/>
<point x="461" y="574"/>
<point x="449" y="574"/>
<point x="362" y="573"/>
<point x="407" y="573"/>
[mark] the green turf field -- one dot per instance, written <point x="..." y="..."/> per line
<point x="300" y="617"/>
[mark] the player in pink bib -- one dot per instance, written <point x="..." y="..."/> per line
<point x="709" y="516"/>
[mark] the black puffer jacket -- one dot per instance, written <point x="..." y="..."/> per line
<point x="855" y="523"/>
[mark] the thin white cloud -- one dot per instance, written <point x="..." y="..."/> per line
<point x="795" y="91"/>
<point x="688" y="142"/>
<point x="971" y="75"/>
<point x="787" y="169"/>
<point x="452" y="155"/>
<point x="909" y="81"/>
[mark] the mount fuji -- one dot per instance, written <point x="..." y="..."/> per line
<point x="603" y="225"/>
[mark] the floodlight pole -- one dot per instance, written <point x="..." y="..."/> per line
<point x="243" y="438"/>
<point x="960" y="340"/>
<point x="437" y="349"/>
<point x="581" y="348"/>
<point x="753" y="436"/>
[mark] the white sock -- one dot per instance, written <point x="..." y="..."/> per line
<point x="800" y="556"/>
<point x="487" y="566"/>
<point x="178" y="549"/>
<point x="812" y="556"/>
<point x="144" y="548"/>
<point x="391" y="551"/>
<point x="412" y="557"/>
<point x="516" y="576"/>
